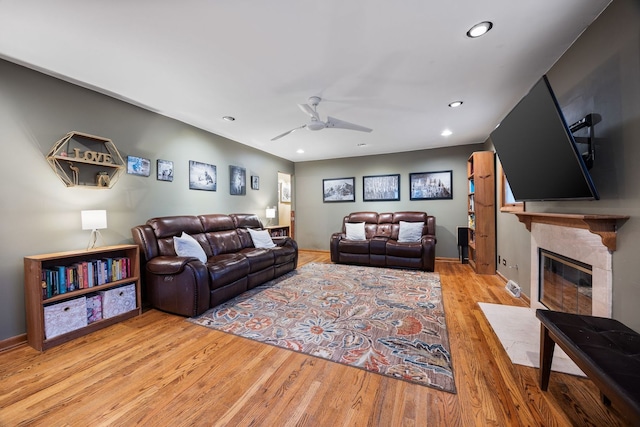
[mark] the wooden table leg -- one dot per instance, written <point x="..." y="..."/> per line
<point x="547" y="346"/>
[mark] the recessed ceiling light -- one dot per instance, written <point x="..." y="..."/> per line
<point x="229" y="118"/>
<point x="479" y="29"/>
<point x="446" y="132"/>
<point x="300" y="151"/>
<point x="455" y="104"/>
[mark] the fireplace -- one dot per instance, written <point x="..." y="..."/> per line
<point x="565" y="284"/>
<point x="589" y="239"/>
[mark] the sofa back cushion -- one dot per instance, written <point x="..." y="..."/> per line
<point x="167" y="227"/>
<point x="370" y="220"/>
<point x="242" y="223"/>
<point x="246" y="220"/>
<point x="220" y="232"/>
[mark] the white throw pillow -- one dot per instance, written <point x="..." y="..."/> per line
<point x="261" y="238"/>
<point x="410" y="231"/>
<point x="186" y="245"/>
<point x="355" y="231"/>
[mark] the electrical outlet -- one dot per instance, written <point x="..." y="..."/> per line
<point x="504" y="261"/>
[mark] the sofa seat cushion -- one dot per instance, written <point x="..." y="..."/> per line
<point x="354" y="246"/>
<point x="378" y="245"/>
<point x="284" y="254"/>
<point x="227" y="268"/>
<point x="259" y="259"/>
<point x="404" y="250"/>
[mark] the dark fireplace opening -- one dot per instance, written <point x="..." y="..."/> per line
<point x="565" y="284"/>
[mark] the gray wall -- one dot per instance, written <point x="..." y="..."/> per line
<point x="600" y="74"/>
<point x="40" y="215"/>
<point x="315" y="220"/>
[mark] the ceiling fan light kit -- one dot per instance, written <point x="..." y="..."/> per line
<point x="317" y="124"/>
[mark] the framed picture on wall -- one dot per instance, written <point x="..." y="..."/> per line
<point x="165" y="170"/>
<point x="237" y="181"/>
<point x="339" y="190"/>
<point x="255" y="182"/>
<point x="431" y="185"/>
<point x="285" y="192"/>
<point x="138" y="166"/>
<point x="202" y="176"/>
<point x="381" y="188"/>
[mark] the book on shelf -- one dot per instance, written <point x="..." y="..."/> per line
<point x="61" y="279"/>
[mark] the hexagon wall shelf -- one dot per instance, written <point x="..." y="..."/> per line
<point x="88" y="160"/>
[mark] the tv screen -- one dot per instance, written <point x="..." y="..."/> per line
<point x="538" y="153"/>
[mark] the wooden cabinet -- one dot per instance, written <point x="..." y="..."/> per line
<point x="39" y="268"/>
<point x="278" y="230"/>
<point x="482" y="212"/>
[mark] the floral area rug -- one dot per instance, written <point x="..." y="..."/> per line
<point x="387" y="321"/>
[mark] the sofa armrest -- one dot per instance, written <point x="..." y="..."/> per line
<point x="338" y="236"/>
<point x="429" y="239"/>
<point x="333" y="245"/>
<point x="431" y="226"/>
<point x="168" y="264"/>
<point x="428" y="252"/>
<point x="286" y="241"/>
<point x="178" y="285"/>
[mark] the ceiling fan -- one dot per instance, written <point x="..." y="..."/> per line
<point x="317" y="124"/>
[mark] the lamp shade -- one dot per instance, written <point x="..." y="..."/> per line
<point x="94" y="220"/>
<point x="270" y="213"/>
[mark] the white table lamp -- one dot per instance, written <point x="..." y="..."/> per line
<point x="270" y="213"/>
<point x="94" y="220"/>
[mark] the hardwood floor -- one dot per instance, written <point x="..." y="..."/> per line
<point x="158" y="369"/>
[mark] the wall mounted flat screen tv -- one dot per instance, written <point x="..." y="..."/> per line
<point x="538" y="153"/>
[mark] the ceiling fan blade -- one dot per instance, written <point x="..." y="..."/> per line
<point x="288" y="132"/>
<point x="310" y="111"/>
<point x="339" y="124"/>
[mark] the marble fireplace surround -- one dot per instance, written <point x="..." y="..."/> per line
<point x="587" y="238"/>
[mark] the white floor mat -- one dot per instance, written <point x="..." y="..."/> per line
<point x="518" y="330"/>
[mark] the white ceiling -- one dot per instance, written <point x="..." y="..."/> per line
<point x="391" y="66"/>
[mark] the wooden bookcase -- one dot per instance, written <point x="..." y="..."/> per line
<point x="481" y="206"/>
<point x="278" y="230"/>
<point x="35" y="302"/>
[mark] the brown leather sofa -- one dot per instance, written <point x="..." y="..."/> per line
<point x="187" y="286"/>
<point x="380" y="246"/>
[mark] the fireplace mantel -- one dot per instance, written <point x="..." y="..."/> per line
<point x="603" y="225"/>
